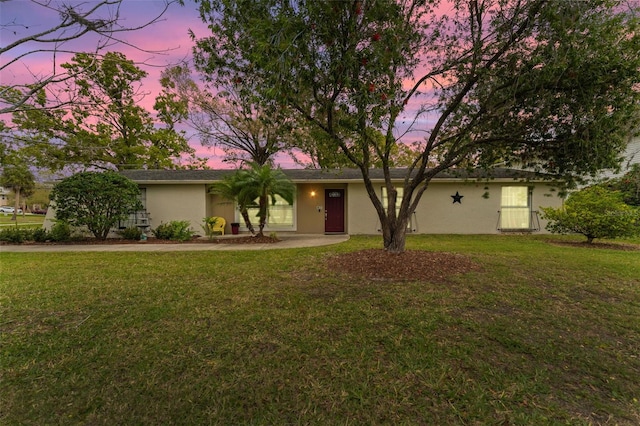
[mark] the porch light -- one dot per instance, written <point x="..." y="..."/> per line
<point x="313" y="193"/>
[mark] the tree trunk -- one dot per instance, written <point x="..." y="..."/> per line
<point x="396" y="243"/>
<point x="245" y="216"/>
<point x="394" y="234"/>
<point x="16" y="203"/>
<point x="262" y="214"/>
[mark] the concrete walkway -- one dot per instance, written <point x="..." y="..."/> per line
<point x="288" y="241"/>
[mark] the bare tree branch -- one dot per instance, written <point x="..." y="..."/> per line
<point x="76" y="20"/>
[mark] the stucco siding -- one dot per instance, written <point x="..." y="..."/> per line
<point x="170" y="198"/>
<point x="166" y="203"/>
<point x="438" y="214"/>
<point x="310" y="208"/>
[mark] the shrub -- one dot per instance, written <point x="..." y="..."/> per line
<point x="594" y="212"/>
<point x="15" y="235"/>
<point x="176" y="230"/>
<point x="95" y="200"/>
<point x="60" y="232"/>
<point x="628" y="185"/>
<point x="132" y="233"/>
<point x="40" y="235"/>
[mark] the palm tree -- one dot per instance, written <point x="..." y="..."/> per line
<point x="235" y="188"/>
<point x="20" y="180"/>
<point x="255" y="187"/>
<point x="267" y="183"/>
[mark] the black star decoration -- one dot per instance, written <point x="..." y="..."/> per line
<point x="457" y="198"/>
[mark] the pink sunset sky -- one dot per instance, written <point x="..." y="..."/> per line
<point x="153" y="48"/>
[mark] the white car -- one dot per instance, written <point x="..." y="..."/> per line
<point x="7" y="209"/>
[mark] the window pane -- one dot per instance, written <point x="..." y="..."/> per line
<point x="515" y="210"/>
<point x="385" y="202"/>
<point x="515" y="196"/>
<point x="515" y="218"/>
<point x="280" y="214"/>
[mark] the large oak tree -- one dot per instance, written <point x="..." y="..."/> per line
<point x="544" y="84"/>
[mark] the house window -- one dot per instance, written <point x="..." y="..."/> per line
<point x="515" y="208"/>
<point x="143" y="198"/>
<point x="385" y="203"/>
<point x="280" y="215"/>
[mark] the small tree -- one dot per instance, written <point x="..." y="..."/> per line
<point x="20" y="180"/>
<point x="267" y="183"/>
<point x="594" y="212"/>
<point x="95" y="200"/>
<point x="233" y="188"/>
<point x="255" y="187"/>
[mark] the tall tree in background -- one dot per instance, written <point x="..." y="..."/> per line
<point x="20" y="180"/>
<point x="547" y="85"/>
<point x="75" y="20"/>
<point x="231" y="118"/>
<point x="105" y="127"/>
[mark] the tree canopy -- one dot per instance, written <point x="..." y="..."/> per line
<point x="230" y="118"/>
<point x="543" y="84"/>
<point x="103" y="126"/>
<point x="71" y="21"/>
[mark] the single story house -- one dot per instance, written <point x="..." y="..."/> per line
<point x="337" y="202"/>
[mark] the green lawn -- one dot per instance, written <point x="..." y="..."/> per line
<point x="544" y="334"/>
<point x="28" y="220"/>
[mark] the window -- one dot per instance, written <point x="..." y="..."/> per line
<point x="515" y="207"/>
<point x="143" y="198"/>
<point x="385" y="203"/>
<point x="280" y="215"/>
<point x="139" y="218"/>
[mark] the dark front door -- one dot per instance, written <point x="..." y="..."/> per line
<point x="334" y="210"/>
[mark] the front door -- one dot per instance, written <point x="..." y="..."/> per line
<point x="334" y="210"/>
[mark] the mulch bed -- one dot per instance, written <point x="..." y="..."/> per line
<point x="412" y="265"/>
<point x="597" y="245"/>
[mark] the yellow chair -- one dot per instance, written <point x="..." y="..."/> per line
<point x="218" y="226"/>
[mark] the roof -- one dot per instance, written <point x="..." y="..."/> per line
<point x="328" y="176"/>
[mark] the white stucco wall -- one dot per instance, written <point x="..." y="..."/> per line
<point x="168" y="202"/>
<point x="437" y="214"/>
<point x="631" y="156"/>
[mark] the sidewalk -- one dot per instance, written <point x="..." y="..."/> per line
<point x="288" y="241"/>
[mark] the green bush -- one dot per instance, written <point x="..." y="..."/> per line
<point x="60" y="232"/>
<point x="132" y="233"/>
<point x="15" y="235"/>
<point x="594" y="212"/>
<point x="176" y="230"/>
<point x="40" y="235"/>
<point x="95" y="200"/>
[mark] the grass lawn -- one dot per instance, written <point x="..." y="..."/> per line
<point x="28" y="220"/>
<point x="543" y="334"/>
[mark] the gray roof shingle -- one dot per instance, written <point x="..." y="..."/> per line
<point x="307" y="175"/>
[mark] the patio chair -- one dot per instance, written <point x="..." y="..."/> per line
<point x="218" y="226"/>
